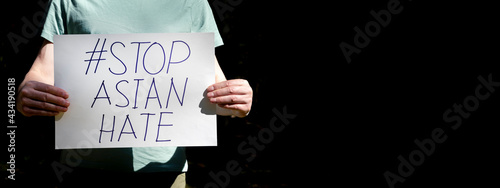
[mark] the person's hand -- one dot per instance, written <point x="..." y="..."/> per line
<point x="40" y="99"/>
<point x="234" y="95"/>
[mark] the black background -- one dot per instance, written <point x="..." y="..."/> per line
<point x="353" y="120"/>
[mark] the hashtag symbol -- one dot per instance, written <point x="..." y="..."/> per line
<point x="92" y="56"/>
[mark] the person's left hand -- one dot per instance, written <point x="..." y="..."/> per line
<point x="233" y="95"/>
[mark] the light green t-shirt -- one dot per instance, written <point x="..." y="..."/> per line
<point x="129" y="16"/>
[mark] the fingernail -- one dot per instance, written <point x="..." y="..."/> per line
<point x="211" y="88"/>
<point x="65" y="95"/>
<point x="210" y="94"/>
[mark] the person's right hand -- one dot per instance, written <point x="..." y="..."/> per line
<point x="40" y="99"/>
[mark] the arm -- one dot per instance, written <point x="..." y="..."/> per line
<point x="37" y="94"/>
<point x="233" y="97"/>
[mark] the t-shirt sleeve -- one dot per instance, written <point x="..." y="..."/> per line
<point x="204" y="22"/>
<point x="54" y="24"/>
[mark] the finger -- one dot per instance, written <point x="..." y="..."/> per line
<point x="223" y="92"/>
<point x="231" y="99"/>
<point x="50" y="89"/>
<point x="45" y="97"/>
<point x="240" y="110"/>
<point x="231" y="90"/>
<point x="228" y="83"/>
<point x="43" y="105"/>
<point x="27" y="111"/>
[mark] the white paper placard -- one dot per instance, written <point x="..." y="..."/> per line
<point x="135" y="90"/>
